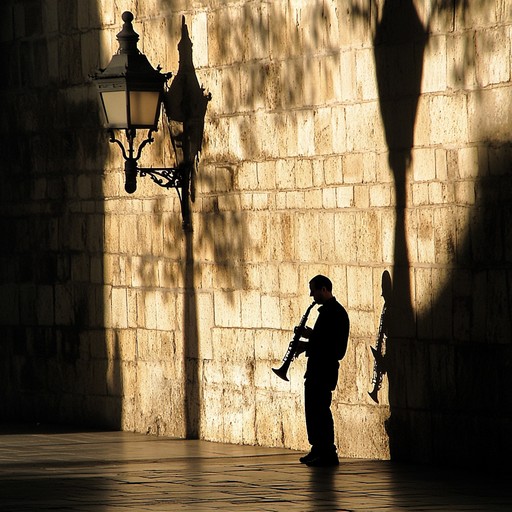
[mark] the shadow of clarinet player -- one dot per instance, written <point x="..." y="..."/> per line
<point x="379" y="351"/>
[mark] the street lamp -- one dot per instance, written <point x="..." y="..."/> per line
<point x="131" y="92"/>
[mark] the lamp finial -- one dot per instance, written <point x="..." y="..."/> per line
<point x="128" y="38"/>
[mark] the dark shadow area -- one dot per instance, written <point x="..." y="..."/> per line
<point x="53" y="349"/>
<point x="466" y="379"/>
<point x="323" y="487"/>
<point x="399" y="45"/>
<point x="449" y="365"/>
<point x="53" y="365"/>
<point x="53" y="492"/>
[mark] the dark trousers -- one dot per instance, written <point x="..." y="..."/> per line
<point x="319" y="422"/>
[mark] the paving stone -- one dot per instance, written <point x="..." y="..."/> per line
<point x="53" y="469"/>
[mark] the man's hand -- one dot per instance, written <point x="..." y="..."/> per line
<point x="306" y="332"/>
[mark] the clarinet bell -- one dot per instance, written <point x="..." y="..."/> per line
<point x="281" y="372"/>
<point x="373" y="395"/>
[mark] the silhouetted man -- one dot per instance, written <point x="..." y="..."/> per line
<point x="326" y="346"/>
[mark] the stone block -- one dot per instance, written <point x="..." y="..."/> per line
<point x="441" y="164"/>
<point x="251" y="306"/>
<point x="288" y="278"/>
<point x="420" y="194"/>
<point x="64" y="314"/>
<point x="323" y="131"/>
<point x="369" y="424"/>
<point x="347" y="197"/>
<point x="303" y="171"/>
<point x="449" y="119"/>
<point x="360" y="296"/>
<point x="445" y="236"/>
<point x="339" y="129"/>
<point x="330" y="78"/>
<point x="353" y="167"/>
<point x="28" y="303"/>
<point x="269" y="427"/>
<point x="44" y="307"/>
<point x="345" y="235"/>
<point x="305" y="133"/>
<point x="441" y="193"/>
<point x="379" y="196"/>
<point x="425" y="244"/>
<point x="366" y="131"/>
<point x="307" y="244"/>
<point x="492" y="55"/>
<point x="199" y="36"/>
<point x="366" y="80"/>
<point x="119" y="309"/>
<point x="9" y="310"/>
<point x="424" y="164"/>
<point x="461" y="70"/>
<point x="434" y="75"/>
<point x="333" y="170"/>
<point x="227" y="308"/>
<point x="245" y="176"/>
<point x="329" y="198"/>
<point x="266" y="175"/>
<point x="368" y="236"/>
<point x="464" y="192"/>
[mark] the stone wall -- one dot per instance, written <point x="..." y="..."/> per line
<point x="357" y="139"/>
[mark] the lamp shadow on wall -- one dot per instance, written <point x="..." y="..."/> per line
<point x="449" y="365"/>
<point x="185" y="107"/>
<point x="399" y="45"/>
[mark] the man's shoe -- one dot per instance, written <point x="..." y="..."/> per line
<point x="308" y="458"/>
<point x="323" y="461"/>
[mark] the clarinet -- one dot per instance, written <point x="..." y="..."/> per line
<point x="292" y="347"/>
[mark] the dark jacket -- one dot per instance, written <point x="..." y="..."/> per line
<point x="328" y="341"/>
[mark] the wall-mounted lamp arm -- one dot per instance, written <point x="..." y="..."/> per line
<point x="149" y="140"/>
<point x="167" y="177"/>
<point x="131" y="94"/>
<point x="114" y="140"/>
<point x="177" y="178"/>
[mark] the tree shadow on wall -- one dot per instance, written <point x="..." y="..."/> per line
<point x="221" y="229"/>
<point x="448" y="366"/>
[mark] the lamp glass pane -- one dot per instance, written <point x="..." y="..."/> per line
<point x="144" y="106"/>
<point x="114" y="103"/>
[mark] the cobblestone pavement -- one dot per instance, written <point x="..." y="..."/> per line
<point x="55" y="470"/>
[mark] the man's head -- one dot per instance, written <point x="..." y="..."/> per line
<point x="320" y="289"/>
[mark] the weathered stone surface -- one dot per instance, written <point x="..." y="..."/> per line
<point x="112" y="314"/>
